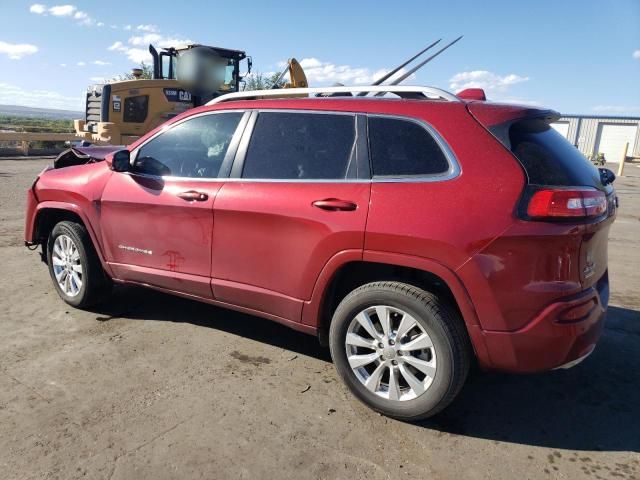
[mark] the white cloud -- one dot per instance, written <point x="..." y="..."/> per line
<point x="145" y="39"/>
<point x="484" y="79"/>
<point x="83" y="18"/>
<point x="138" y="55"/>
<point x="616" y="108"/>
<point x="127" y="27"/>
<point x="13" y="94"/>
<point x="81" y="64"/>
<point x="136" y="47"/>
<point x="38" y="8"/>
<point x="101" y="63"/>
<point x="636" y="54"/>
<point x="321" y="73"/>
<point x="117" y="46"/>
<point x="70" y="11"/>
<point x="63" y="65"/>
<point x="147" y="28"/>
<point x="15" y="51"/>
<point x="62" y="10"/>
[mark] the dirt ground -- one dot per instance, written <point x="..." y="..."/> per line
<point x="152" y="387"/>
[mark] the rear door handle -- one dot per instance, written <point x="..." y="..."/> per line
<point x="193" y="196"/>
<point x="335" y="205"/>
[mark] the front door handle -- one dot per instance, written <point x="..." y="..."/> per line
<point x="193" y="196"/>
<point x="335" y="205"/>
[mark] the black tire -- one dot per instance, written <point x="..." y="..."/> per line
<point x="438" y="319"/>
<point x="96" y="286"/>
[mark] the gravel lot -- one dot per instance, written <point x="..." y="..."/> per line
<point x="152" y="386"/>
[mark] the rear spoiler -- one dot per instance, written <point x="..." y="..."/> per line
<point x="498" y="117"/>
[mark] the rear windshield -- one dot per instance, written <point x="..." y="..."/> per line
<point x="548" y="158"/>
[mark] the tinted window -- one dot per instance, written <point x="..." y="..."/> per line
<point x="548" y="158"/>
<point x="136" y="108"/>
<point x="194" y="148"/>
<point x="301" y="146"/>
<point x="401" y="147"/>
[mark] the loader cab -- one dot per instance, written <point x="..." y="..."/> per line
<point x="204" y="71"/>
<point x="120" y="112"/>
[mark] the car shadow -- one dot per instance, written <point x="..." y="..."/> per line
<point x="594" y="406"/>
<point x="139" y="303"/>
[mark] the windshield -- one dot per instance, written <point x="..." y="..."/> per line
<point x="204" y="71"/>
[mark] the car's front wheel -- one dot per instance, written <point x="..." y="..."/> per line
<point x="75" y="267"/>
<point x="401" y="350"/>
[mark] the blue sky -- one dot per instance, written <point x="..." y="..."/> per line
<point x="575" y="56"/>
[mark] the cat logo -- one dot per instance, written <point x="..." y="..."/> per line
<point x="177" y="95"/>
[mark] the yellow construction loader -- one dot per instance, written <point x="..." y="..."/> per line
<point x="120" y="112"/>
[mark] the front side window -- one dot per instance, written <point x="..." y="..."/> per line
<point x="401" y="148"/>
<point x="301" y="146"/>
<point x="194" y="148"/>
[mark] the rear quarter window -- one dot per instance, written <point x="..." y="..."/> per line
<point x="401" y="148"/>
<point x="548" y="158"/>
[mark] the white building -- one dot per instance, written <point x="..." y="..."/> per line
<point x="600" y="134"/>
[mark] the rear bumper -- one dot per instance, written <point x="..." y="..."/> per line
<point x="563" y="334"/>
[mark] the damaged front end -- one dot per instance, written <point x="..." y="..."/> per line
<point x="84" y="155"/>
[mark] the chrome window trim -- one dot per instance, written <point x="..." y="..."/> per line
<point x="248" y="133"/>
<point x="171" y="178"/>
<point x="454" y="167"/>
<point x="452" y="172"/>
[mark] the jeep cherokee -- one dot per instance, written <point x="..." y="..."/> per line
<point x="415" y="235"/>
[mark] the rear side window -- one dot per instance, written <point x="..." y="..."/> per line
<point x="401" y="148"/>
<point x="298" y="146"/>
<point x="548" y="158"/>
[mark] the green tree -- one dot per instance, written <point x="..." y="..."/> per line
<point x="147" y="73"/>
<point x="260" y="81"/>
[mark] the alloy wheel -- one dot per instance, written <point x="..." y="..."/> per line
<point x="67" y="267"/>
<point x="390" y="353"/>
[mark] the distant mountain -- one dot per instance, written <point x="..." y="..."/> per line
<point x="48" y="113"/>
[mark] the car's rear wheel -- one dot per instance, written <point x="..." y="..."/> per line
<point x="74" y="266"/>
<point x="401" y="350"/>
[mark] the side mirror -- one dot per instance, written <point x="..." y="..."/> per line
<point x="121" y="161"/>
<point x="606" y="176"/>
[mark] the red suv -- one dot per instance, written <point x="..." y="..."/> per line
<point x="415" y="235"/>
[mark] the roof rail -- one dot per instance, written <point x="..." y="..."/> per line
<point x="403" y="91"/>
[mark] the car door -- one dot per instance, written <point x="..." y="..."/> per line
<point x="294" y="201"/>
<point x="157" y="219"/>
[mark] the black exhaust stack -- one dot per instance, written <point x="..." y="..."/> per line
<point x="156" y="63"/>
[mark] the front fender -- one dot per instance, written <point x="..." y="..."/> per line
<point x="42" y="208"/>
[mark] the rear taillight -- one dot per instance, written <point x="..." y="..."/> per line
<point x="567" y="203"/>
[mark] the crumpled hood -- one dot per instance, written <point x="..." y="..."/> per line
<point x="82" y="155"/>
